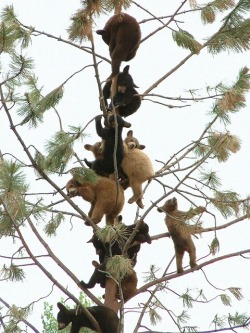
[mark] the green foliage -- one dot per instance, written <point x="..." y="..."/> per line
<point x="208" y="12"/>
<point x="236" y="292"/>
<point x="111" y="234"/>
<point x="118" y="266"/>
<point x="210" y="179"/>
<point x="226" y="300"/>
<point x="183" y="317"/>
<point x="226" y="202"/>
<point x="215" y="246"/>
<point x="60" y="150"/>
<point x="237" y="319"/>
<point x="51" y="227"/>
<point x="187" y="299"/>
<point x="11" y="33"/>
<point x="219" y="322"/>
<point x="234" y="35"/>
<point x="81" y="27"/>
<point x="186" y="40"/>
<point x="12" y="273"/>
<point x="83" y="175"/>
<point x="154" y="316"/>
<point x="51" y="99"/>
<point x="233" y="98"/>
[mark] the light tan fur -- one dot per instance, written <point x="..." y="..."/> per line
<point x="179" y="231"/>
<point x="137" y="166"/>
<point x="103" y="196"/>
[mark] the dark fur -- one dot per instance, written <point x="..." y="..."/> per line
<point x="179" y="231"/>
<point x="106" y="164"/>
<point x="122" y="34"/>
<point x="128" y="283"/>
<point x="108" y="250"/>
<point x="106" y="318"/>
<point x="125" y="103"/>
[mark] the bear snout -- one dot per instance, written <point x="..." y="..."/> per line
<point x="72" y="192"/>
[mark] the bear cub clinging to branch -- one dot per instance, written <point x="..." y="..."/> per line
<point x="124" y="99"/>
<point x="105" y="165"/>
<point x="105" y="317"/>
<point x="137" y="166"/>
<point x="122" y="34"/>
<point x="102" y="195"/>
<point x="179" y="231"/>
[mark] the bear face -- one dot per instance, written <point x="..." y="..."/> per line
<point x="122" y="34"/>
<point x="105" y="165"/>
<point x="179" y="231"/>
<point x="104" y="195"/>
<point x="105" y="317"/>
<point x="124" y="99"/>
<point x="137" y="166"/>
<point x="128" y="283"/>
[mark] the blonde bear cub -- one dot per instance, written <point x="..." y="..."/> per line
<point x="137" y="166"/>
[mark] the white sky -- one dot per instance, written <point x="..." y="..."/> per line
<point x="164" y="131"/>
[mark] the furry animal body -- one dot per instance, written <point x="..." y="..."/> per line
<point x="104" y="195"/>
<point x="122" y="34"/>
<point x="104" y="250"/>
<point x="124" y="99"/>
<point x="105" y="165"/>
<point x="105" y="317"/>
<point x="179" y="231"/>
<point x="128" y="283"/>
<point x="137" y="166"/>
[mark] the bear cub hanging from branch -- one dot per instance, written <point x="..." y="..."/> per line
<point x="122" y="34"/>
<point x="179" y="231"/>
<point x="124" y="99"/>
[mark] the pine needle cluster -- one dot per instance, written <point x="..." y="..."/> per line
<point x="118" y="267"/>
<point x="83" y="175"/>
<point x="187" y="41"/>
<point x="208" y="12"/>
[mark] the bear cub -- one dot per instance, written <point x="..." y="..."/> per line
<point x="124" y="99"/>
<point x="105" y="165"/>
<point x="122" y="34"/>
<point x="106" y="318"/>
<point x="179" y="231"/>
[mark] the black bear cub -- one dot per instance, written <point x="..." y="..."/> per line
<point x="106" y="318"/>
<point x="105" y="165"/>
<point x="124" y="100"/>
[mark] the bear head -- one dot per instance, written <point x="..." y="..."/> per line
<point x="169" y="206"/>
<point x="72" y="188"/>
<point x="132" y="142"/>
<point x="97" y="149"/>
<point x="125" y="80"/>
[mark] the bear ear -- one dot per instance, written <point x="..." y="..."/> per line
<point x="141" y="147"/>
<point x="160" y="209"/>
<point x="61" y="306"/>
<point x="126" y="69"/>
<point x="100" y="32"/>
<point x="130" y="133"/>
<point x="88" y="147"/>
<point x="126" y="124"/>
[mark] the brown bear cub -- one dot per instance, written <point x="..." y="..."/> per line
<point x="122" y="34"/>
<point x="105" y="317"/>
<point x="179" y="231"/>
<point x="104" y="195"/>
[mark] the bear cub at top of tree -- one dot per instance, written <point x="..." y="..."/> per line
<point x="105" y="165"/>
<point x="122" y="34"/>
<point x="105" y="317"/>
<point x="179" y="231"/>
<point x="124" y="99"/>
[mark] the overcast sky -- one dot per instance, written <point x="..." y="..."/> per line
<point x="163" y="130"/>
